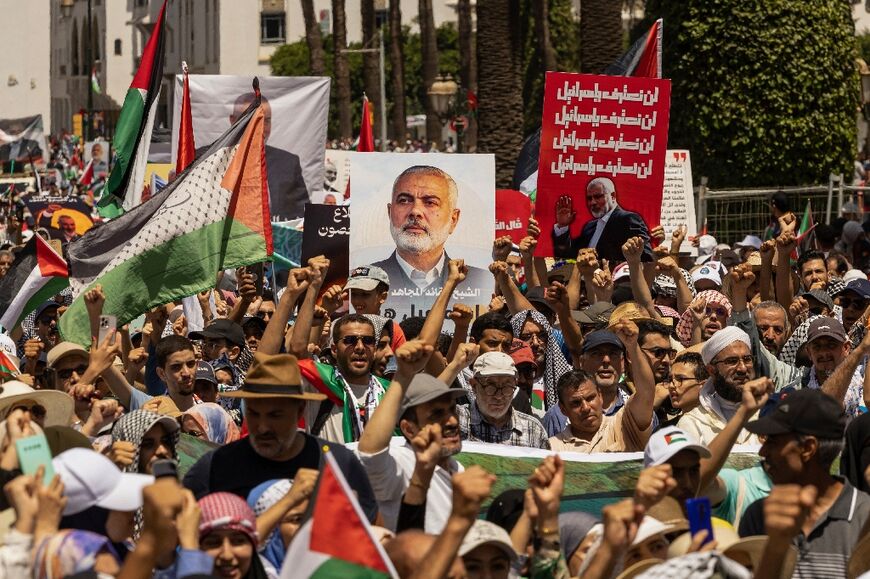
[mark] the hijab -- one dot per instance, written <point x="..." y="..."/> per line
<point x="215" y="422"/>
<point x="261" y="498"/>
<point x="68" y="552"/>
<point x="228" y="511"/>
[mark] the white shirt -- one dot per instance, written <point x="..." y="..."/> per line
<point x="390" y="473"/>
<point x="422" y="279"/>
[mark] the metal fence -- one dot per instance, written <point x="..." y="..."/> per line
<point x="732" y="214"/>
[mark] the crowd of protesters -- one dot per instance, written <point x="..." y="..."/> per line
<point x="681" y="359"/>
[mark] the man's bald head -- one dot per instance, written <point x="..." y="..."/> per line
<point x="244" y="101"/>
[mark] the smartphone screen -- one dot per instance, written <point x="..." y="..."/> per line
<point x="256" y="270"/>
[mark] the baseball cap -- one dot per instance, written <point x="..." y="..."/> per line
<point x="425" y="388"/>
<point x="90" y="479"/>
<point x="536" y="297"/>
<point x="597" y="313"/>
<point x="521" y="353"/>
<point x="859" y="286"/>
<point x="820" y="296"/>
<point x="221" y="328"/>
<point x="620" y="272"/>
<point x="749" y="241"/>
<point x="366" y="278"/>
<point x="486" y="533"/>
<point x="494" y="364"/>
<point x="506" y="508"/>
<point x="665" y="443"/>
<point x="253" y="323"/>
<point x="45" y="306"/>
<point x="204" y="371"/>
<point x="853" y="274"/>
<point x="825" y="326"/>
<point x="600" y="338"/>
<point x="708" y="273"/>
<point x="63" y="350"/>
<point x="806" y="411"/>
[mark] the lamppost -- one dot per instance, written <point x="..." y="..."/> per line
<point x="443" y="93"/>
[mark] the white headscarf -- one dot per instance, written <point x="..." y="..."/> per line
<point x="721" y="340"/>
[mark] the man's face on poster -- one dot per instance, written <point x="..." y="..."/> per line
<point x="330" y="173"/>
<point x="97" y="152"/>
<point x="598" y="201"/>
<point x="241" y="105"/>
<point x="67" y="224"/>
<point x="422" y="213"/>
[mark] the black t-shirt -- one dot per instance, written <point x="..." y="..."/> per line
<point x="236" y="468"/>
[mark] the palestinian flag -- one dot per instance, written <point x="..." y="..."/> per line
<point x="214" y="216"/>
<point x="337" y="540"/>
<point x="88" y="174"/>
<point x="8" y="368"/>
<point x="37" y="274"/>
<point x="366" y="136"/>
<point x="123" y="190"/>
<point x="805" y="239"/>
<point x="326" y="379"/>
<point x="95" y="82"/>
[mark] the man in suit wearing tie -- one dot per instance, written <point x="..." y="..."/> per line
<point x="609" y="228"/>
<point x="423" y="215"/>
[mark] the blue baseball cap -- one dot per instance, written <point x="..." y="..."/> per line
<point x="600" y="338"/>
<point x="859" y="286"/>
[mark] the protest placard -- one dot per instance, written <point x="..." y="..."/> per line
<point x="512" y="212"/>
<point x="413" y="212"/>
<point x="336" y="176"/>
<point x="603" y="145"/>
<point x="97" y="152"/>
<point x="296" y="120"/>
<point x="22" y="142"/>
<point x="63" y="217"/>
<point x="327" y="232"/>
<point x="678" y="198"/>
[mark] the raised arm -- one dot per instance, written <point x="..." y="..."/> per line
<point x="515" y="300"/>
<point x="785" y="244"/>
<point x="766" y="275"/>
<point x="837" y="383"/>
<point x="411" y="357"/>
<point x="640" y="404"/>
<point x="557" y="297"/>
<point x="317" y="267"/>
<point x="633" y="250"/>
<point x="273" y="336"/>
<point x="435" y="320"/>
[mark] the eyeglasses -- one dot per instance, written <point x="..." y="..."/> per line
<point x="858" y="303"/>
<point x="496" y="390"/>
<point x="68" y="372"/>
<point x="719" y="311"/>
<point x="733" y="361"/>
<point x="368" y="341"/>
<point x="35" y="410"/>
<point x="529" y="336"/>
<point x="659" y="353"/>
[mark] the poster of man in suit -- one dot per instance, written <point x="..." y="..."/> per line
<point x="22" y="141"/>
<point x="296" y="118"/>
<point x="413" y="213"/>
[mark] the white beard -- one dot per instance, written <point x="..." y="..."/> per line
<point x="418" y="244"/>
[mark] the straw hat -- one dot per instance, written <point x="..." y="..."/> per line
<point x="58" y="405"/>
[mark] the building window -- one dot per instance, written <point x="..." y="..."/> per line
<point x="272" y="28"/>
<point x="117" y="47"/>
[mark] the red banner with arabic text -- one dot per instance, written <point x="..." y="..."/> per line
<point x="611" y="130"/>
<point x="512" y="212"/>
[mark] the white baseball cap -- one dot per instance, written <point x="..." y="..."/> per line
<point x="92" y="480"/>
<point x="620" y="272"/>
<point x="367" y="278"/>
<point x="707" y="272"/>
<point x="752" y="241"/>
<point x="847" y="277"/>
<point x="665" y="443"/>
<point x="486" y="533"/>
<point x="494" y="364"/>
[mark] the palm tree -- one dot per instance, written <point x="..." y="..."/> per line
<point x="342" y="71"/>
<point x="500" y="86"/>
<point x="397" y="63"/>
<point x="429" y="45"/>
<point x="542" y="31"/>
<point x="371" y="74"/>
<point x="467" y="65"/>
<point x="600" y="34"/>
<point x="312" y="37"/>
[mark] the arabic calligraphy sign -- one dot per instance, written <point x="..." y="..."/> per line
<point x="512" y="212"/>
<point x="601" y="126"/>
<point x="327" y="232"/>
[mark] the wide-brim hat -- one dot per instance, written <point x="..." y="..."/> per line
<point x="274" y="376"/>
<point x="58" y="405"/>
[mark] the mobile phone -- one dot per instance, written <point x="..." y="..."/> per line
<point x="164" y="468"/>
<point x="256" y="270"/>
<point x="33" y="452"/>
<point x="699" y="513"/>
<point x="107" y="326"/>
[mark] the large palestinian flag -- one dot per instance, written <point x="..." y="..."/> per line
<point x="123" y="190"/>
<point x="337" y="540"/>
<point x="37" y="274"/>
<point x="214" y="216"/>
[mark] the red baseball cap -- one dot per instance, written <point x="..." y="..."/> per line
<point x="521" y="353"/>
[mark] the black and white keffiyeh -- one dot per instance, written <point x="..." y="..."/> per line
<point x="556" y="364"/>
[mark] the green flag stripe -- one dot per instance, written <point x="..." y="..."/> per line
<point x="126" y="135"/>
<point x="339" y="568"/>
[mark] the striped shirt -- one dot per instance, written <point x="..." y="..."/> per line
<point x="521" y="430"/>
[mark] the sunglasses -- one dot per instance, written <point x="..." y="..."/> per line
<point x="67" y="373"/>
<point x="36" y="410"/>
<point x="352" y="340"/>
<point x="659" y="353"/>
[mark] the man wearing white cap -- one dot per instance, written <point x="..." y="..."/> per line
<point x="727" y="355"/>
<point x="490" y="417"/>
<point x="368" y="288"/>
<point x="680" y="451"/>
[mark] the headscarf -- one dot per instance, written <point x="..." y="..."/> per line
<point x="856" y="453"/>
<point x="69" y="552"/>
<point x="215" y="422"/>
<point x="555" y="365"/>
<point x="573" y="528"/>
<point x="721" y="340"/>
<point x="686" y="323"/>
<point x="261" y="498"/>
<point x="132" y="427"/>
<point x="229" y="511"/>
